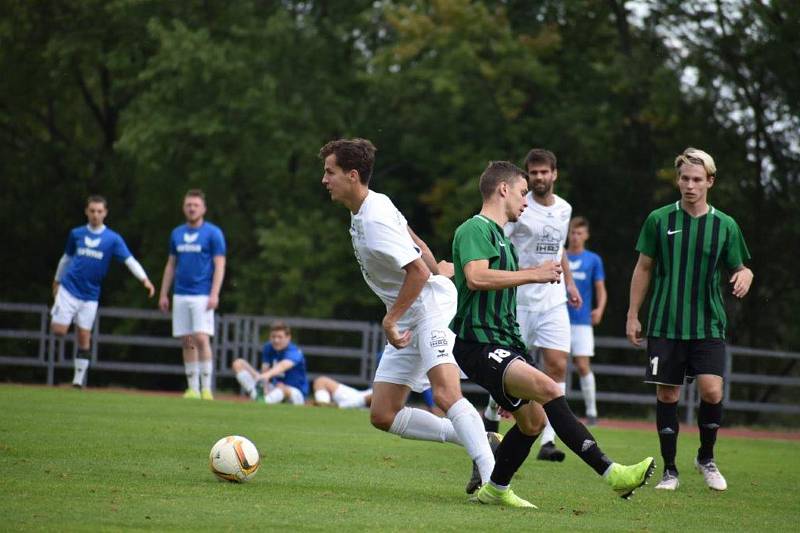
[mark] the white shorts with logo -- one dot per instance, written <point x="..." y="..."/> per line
<point x="545" y="329"/>
<point x="582" y="340"/>
<point x="68" y="308"/>
<point x="190" y="314"/>
<point x="431" y="344"/>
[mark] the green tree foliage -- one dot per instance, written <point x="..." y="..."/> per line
<point x="140" y="100"/>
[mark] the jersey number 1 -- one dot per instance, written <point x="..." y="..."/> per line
<point x="654" y="364"/>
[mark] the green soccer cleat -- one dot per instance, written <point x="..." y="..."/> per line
<point x="191" y="394"/>
<point x="489" y="495"/>
<point x="625" y="479"/>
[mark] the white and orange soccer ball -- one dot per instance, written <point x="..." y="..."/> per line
<point x="235" y="459"/>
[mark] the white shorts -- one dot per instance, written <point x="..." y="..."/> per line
<point x="582" y="340"/>
<point x="190" y="315"/>
<point x="345" y="395"/>
<point x="67" y="309"/>
<point x="545" y="329"/>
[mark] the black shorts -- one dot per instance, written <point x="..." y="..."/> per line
<point x="485" y="364"/>
<point x="672" y="360"/>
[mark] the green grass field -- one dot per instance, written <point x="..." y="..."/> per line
<point x="96" y="460"/>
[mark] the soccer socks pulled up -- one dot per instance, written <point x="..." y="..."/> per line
<point x="193" y="375"/>
<point x="247" y="381"/>
<point x="549" y="434"/>
<point x="575" y="435"/>
<point x="274" y="396"/>
<point x="322" y="396"/>
<point x="206" y="369"/>
<point x="81" y="363"/>
<point x="668" y="428"/>
<point x="491" y="416"/>
<point x="512" y="452"/>
<point x="588" y="390"/>
<point x="469" y="427"/>
<point x="709" y="418"/>
<point x="418" y="424"/>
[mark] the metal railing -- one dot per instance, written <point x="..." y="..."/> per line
<point x="242" y="336"/>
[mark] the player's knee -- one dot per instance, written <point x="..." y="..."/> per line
<point x="668" y="394"/>
<point x="531" y="426"/>
<point x="238" y="365"/>
<point x="711" y="396"/>
<point x="187" y="342"/>
<point x="381" y="419"/>
<point x="58" y="329"/>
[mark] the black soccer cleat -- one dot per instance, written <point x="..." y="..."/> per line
<point x="474" y="482"/>
<point x="549" y="452"/>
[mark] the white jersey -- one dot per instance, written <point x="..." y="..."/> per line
<point x="383" y="246"/>
<point x="538" y="236"/>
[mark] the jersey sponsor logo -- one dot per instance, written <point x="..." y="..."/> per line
<point x="189" y="248"/>
<point x="673" y="232"/>
<point x="190" y="237"/>
<point x="91" y="243"/>
<point x="575" y="265"/>
<point x="438" y="338"/>
<point x="88" y="252"/>
<point x="578" y="275"/>
<point x="550" y="242"/>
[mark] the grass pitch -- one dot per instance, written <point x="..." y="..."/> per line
<point x="97" y="460"/>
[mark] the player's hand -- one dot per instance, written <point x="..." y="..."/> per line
<point x="163" y="304"/>
<point x="597" y="316"/>
<point x="395" y="337"/>
<point x="741" y="281"/>
<point x="547" y="272"/>
<point x="633" y="330"/>
<point x="149" y="286"/>
<point x="446" y="269"/>
<point x="213" y="301"/>
<point x="574" y="296"/>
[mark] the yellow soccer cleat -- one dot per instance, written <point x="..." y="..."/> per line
<point x="489" y="495"/>
<point x="191" y="394"/>
<point x="206" y="394"/>
<point x="625" y="479"/>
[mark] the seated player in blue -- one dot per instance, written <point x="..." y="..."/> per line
<point x="80" y="273"/>
<point x="283" y="370"/>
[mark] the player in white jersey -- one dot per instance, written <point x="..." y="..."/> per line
<point x="81" y="270"/>
<point x="539" y="236"/>
<point x="401" y="270"/>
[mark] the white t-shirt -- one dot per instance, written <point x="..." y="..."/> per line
<point x="383" y="246"/>
<point x="538" y="236"/>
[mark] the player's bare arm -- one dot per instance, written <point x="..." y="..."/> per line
<point x="417" y="273"/>
<point x="216" y="282"/>
<point x="482" y="278"/>
<point x="602" y="300"/>
<point x="425" y="251"/>
<point x="573" y="295"/>
<point x="741" y="280"/>
<point x="281" y="367"/>
<point x="640" y="283"/>
<point x="166" y="283"/>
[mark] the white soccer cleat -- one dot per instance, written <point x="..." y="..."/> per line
<point x="711" y="475"/>
<point x="668" y="482"/>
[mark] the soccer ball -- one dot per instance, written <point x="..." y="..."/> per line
<point x="235" y="459"/>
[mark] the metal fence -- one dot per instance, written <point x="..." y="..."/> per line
<point x="352" y="347"/>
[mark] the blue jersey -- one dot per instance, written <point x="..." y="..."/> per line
<point x="295" y="376"/>
<point x="194" y="250"/>
<point x="586" y="268"/>
<point x="90" y="255"/>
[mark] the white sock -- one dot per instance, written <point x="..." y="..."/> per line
<point x="549" y="434"/>
<point x="193" y="375"/>
<point x="206" y="369"/>
<point x="81" y="366"/>
<point x="322" y="396"/>
<point x="469" y="426"/>
<point x="274" y="396"/>
<point x="588" y="390"/>
<point x="247" y="381"/>
<point x="491" y="411"/>
<point x="352" y="402"/>
<point x="418" y="424"/>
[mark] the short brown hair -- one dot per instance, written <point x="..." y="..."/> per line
<point x="96" y="199"/>
<point x="196" y="193"/>
<point x="498" y="172"/>
<point x="579" y="222"/>
<point x="352" y="154"/>
<point x="280" y="326"/>
<point x="540" y="156"/>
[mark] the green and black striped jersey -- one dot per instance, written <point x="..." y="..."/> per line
<point x="488" y="317"/>
<point x="686" y="302"/>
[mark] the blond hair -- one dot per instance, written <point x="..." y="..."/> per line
<point x="694" y="156"/>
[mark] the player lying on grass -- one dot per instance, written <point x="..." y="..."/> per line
<point x="283" y="370"/>
<point x="490" y="350"/>
<point x="328" y="391"/>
